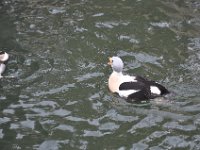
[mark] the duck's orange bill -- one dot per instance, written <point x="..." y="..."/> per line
<point x="110" y="61"/>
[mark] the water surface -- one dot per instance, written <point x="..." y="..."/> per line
<point x="59" y="50"/>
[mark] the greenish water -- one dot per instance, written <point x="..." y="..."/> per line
<point x="59" y="51"/>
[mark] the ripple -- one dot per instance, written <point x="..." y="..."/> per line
<point x="38" y="112"/>
<point x="192" y="108"/>
<point x="19" y="136"/>
<point x="109" y="126"/>
<point x="65" y="128"/>
<point x="108" y="24"/>
<point x="101" y="36"/>
<point x="142" y="57"/>
<point x="197" y="121"/>
<point x="8" y="111"/>
<point x="163" y="114"/>
<point x="147" y="122"/>
<point x="98" y="15"/>
<point x="196" y="139"/>
<point x="139" y="146"/>
<point x="23" y="124"/>
<point x="172" y="142"/>
<point x="175" y="125"/>
<point x="4" y="120"/>
<point x="94" y="122"/>
<point x="88" y="76"/>
<point x="47" y="103"/>
<point x="51" y="144"/>
<point x="1" y="133"/>
<point x="88" y="133"/>
<point x="194" y="44"/>
<point x="61" y="112"/>
<point x="28" y="124"/>
<point x="64" y="88"/>
<point x="155" y="136"/>
<point x="160" y="24"/>
<point x="147" y="58"/>
<point x="2" y="98"/>
<point x="14" y="126"/>
<point x="129" y="38"/>
<point x="69" y="103"/>
<point x="76" y="119"/>
<point x="96" y="106"/>
<point x="113" y="115"/>
<point x="57" y="10"/>
<point x="21" y="105"/>
<point x="80" y="29"/>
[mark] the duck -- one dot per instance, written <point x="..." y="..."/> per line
<point x="3" y="59"/>
<point x="132" y="88"/>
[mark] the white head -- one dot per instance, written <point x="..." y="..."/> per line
<point x="116" y="63"/>
<point x="3" y="56"/>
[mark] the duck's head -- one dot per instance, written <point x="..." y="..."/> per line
<point x="3" y="56"/>
<point x="116" y="63"/>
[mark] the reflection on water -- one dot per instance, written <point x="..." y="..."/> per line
<point x="59" y="98"/>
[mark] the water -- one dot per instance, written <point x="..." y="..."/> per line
<point x="59" y="52"/>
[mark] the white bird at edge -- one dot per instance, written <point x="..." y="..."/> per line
<point x="3" y="58"/>
<point x="132" y="88"/>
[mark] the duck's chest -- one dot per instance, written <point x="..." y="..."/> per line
<point x="2" y="68"/>
<point x="114" y="82"/>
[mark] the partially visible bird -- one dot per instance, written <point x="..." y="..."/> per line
<point x="3" y="58"/>
<point x="133" y="88"/>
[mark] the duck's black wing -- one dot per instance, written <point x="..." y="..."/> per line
<point x="142" y="91"/>
<point x="162" y="89"/>
<point x="142" y="87"/>
<point x="131" y="85"/>
<point x="150" y="83"/>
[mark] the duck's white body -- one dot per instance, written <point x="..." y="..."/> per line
<point x="3" y="58"/>
<point x="2" y="69"/>
<point x="132" y="87"/>
<point x="116" y="79"/>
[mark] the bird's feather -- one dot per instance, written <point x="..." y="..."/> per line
<point x="2" y="68"/>
<point x="131" y="86"/>
<point x="141" y="89"/>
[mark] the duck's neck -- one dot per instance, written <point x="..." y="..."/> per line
<point x="117" y="73"/>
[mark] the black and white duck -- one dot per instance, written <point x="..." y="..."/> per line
<point x="132" y="88"/>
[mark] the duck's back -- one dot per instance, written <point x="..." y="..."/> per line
<point x="155" y="87"/>
<point x="142" y="89"/>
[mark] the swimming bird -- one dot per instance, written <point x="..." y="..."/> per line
<point x="3" y="58"/>
<point x="132" y="88"/>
